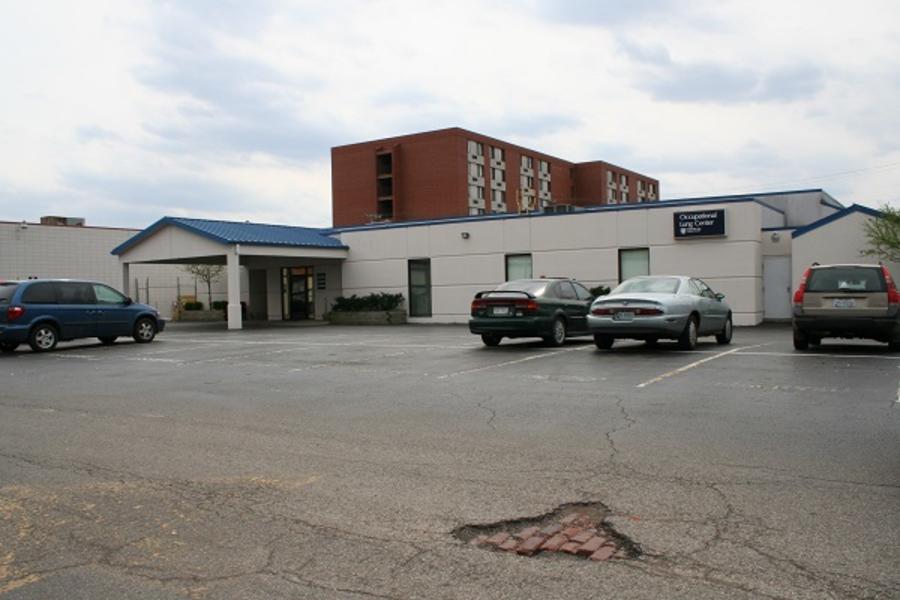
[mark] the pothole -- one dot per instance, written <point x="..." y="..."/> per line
<point x="571" y="532"/>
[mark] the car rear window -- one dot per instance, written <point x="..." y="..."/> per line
<point x="535" y="288"/>
<point x="649" y="285"/>
<point x="6" y="292"/>
<point x="40" y="293"/>
<point x="846" y="280"/>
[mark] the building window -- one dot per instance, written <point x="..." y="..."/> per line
<point x="611" y="196"/>
<point x="544" y="166"/>
<point x="633" y="262"/>
<point x="497" y="175"/>
<point x="518" y="266"/>
<point x="498" y="199"/>
<point x="496" y="153"/>
<point x="527" y="182"/>
<point x="545" y="185"/>
<point x="476" y="192"/>
<point x="420" y="287"/>
<point x="527" y="162"/>
<point x="610" y="178"/>
<point x="474" y="212"/>
<point x="476" y="170"/>
<point x="475" y="148"/>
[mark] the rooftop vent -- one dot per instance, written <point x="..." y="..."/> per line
<point x="63" y="221"/>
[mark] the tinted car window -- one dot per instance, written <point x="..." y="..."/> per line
<point x="566" y="291"/>
<point x="75" y="293"/>
<point x="40" y="293"/>
<point x="583" y="293"/>
<point x="6" y="291"/>
<point x="107" y="295"/>
<point x="535" y="288"/>
<point x="846" y="279"/>
<point x="705" y="290"/>
<point x="694" y="289"/>
<point x="648" y="285"/>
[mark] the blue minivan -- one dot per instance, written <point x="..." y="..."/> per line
<point x="43" y="312"/>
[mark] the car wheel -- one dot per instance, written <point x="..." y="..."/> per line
<point x="652" y="342"/>
<point x="107" y="340"/>
<point x="814" y="341"/>
<point x="801" y="341"/>
<point x="558" y="333"/>
<point x="603" y="342"/>
<point x="725" y="336"/>
<point x="8" y="346"/>
<point x="688" y="338"/>
<point x="490" y="340"/>
<point x="144" y="330"/>
<point x="43" y="338"/>
<point x="894" y="346"/>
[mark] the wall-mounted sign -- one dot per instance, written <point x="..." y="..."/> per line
<point x="320" y="281"/>
<point x="702" y="223"/>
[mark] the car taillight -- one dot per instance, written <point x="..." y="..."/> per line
<point x="600" y="312"/>
<point x="648" y="311"/>
<point x="801" y="290"/>
<point x="526" y="306"/>
<point x="893" y="294"/>
<point x="14" y="312"/>
<point x="478" y="304"/>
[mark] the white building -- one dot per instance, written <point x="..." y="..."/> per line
<point x="751" y="248"/>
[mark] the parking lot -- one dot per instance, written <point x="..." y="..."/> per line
<point x="337" y="462"/>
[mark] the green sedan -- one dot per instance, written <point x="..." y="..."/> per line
<point x="552" y="309"/>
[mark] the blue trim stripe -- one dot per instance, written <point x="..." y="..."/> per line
<point x="230" y="232"/>
<point x="853" y="208"/>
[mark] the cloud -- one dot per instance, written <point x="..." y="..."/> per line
<point x="606" y="12"/>
<point x="94" y="133"/>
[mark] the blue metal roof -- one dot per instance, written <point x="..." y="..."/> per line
<point x="853" y="208"/>
<point x="231" y="232"/>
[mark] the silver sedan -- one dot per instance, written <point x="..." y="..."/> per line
<point x="650" y="308"/>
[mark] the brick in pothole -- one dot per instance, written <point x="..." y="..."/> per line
<point x="592" y="545"/>
<point x="531" y="545"/>
<point x="527" y="532"/>
<point x="555" y="543"/>
<point x="497" y="538"/>
<point x="604" y="553"/>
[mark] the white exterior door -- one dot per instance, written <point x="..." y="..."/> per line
<point x="777" y="287"/>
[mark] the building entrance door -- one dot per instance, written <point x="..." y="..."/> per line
<point x="777" y="287"/>
<point x="297" y="293"/>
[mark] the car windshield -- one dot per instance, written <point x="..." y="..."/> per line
<point x="6" y="292"/>
<point x="535" y="288"/>
<point x="648" y="285"/>
<point x="846" y="279"/>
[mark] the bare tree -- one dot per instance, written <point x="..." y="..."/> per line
<point x="883" y="234"/>
<point x="208" y="274"/>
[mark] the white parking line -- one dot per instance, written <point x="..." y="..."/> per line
<point x="694" y="364"/>
<point x="513" y="362"/>
<point x="819" y="355"/>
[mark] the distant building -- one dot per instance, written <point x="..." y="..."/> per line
<point x="454" y="172"/>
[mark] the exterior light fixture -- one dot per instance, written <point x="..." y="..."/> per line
<point x="464" y="235"/>
<point x="775" y="237"/>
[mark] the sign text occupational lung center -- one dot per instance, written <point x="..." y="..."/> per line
<point x="703" y="223"/>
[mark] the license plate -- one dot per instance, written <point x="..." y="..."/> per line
<point x="623" y="316"/>
<point x="844" y="303"/>
<point x="500" y="311"/>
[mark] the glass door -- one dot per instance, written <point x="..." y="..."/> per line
<point x="297" y="293"/>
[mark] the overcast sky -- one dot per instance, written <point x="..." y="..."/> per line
<point x="123" y="112"/>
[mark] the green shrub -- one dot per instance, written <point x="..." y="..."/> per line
<point x="220" y="305"/>
<point x="193" y="306"/>
<point x="372" y="302"/>
<point x="600" y="290"/>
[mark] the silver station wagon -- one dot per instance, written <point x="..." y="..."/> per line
<point x="651" y="308"/>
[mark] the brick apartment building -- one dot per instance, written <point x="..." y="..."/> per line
<point x="454" y="172"/>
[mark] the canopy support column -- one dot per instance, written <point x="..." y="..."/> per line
<point x="233" y="273"/>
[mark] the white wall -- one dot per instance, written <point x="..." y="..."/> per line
<point x="84" y="253"/>
<point x="581" y="245"/>
<point x="840" y="241"/>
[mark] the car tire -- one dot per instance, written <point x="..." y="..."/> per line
<point x="688" y="338"/>
<point x="490" y="340"/>
<point x="652" y="342"/>
<point x="144" y="330"/>
<point x="894" y="346"/>
<point x="604" y="342"/>
<point x="801" y="340"/>
<point x="558" y="333"/>
<point x="107" y="340"/>
<point x="814" y="341"/>
<point x="43" y="337"/>
<point x="7" y="347"/>
<point x="727" y="331"/>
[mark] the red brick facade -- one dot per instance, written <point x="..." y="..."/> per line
<point x="428" y="176"/>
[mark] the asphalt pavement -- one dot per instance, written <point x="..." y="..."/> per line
<point x="337" y="462"/>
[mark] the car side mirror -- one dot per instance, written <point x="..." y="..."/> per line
<point x="720" y="296"/>
<point x="128" y="301"/>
